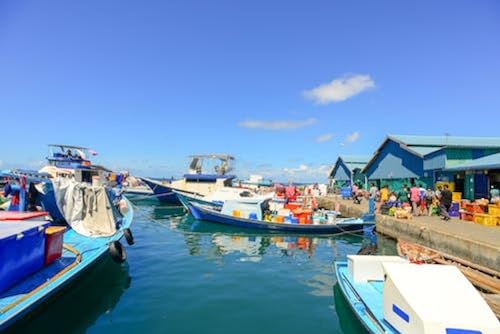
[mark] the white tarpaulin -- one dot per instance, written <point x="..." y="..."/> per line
<point x="86" y="208"/>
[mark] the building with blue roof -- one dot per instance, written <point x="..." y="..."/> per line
<point x="347" y="169"/>
<point x="428" y="160"/>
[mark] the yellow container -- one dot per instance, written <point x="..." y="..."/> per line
<point x="456" y="196"/>
<point x="451" y="185"/>
<point x="236" y="213"/>
<point x="485" y="220"/>
<point x="494" y="209"/>
<point x="280" y="219"/>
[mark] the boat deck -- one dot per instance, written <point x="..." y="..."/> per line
<point x="365" y="300"/>
<point x="28" y="294"/>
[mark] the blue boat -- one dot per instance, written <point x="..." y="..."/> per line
<point x="218" y="198"/>
<point x="184" y="198"/>
<point x="43" y="266"/>
<point x="196" y="181"/>
<point x="79" y="253"/>
<point x="217" y="215"/>
<point x="163" y="192"/>
<point x="390" y="295"/>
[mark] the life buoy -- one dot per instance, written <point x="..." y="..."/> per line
<point x="128" y="236"/>
<point x="117" y="252"/>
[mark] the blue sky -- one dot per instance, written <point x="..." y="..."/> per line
<point x="285" y="86"/>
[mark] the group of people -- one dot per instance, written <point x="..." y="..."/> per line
<point x="422" y="201"/>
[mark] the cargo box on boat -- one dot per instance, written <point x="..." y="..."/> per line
<point x="22" y="250"/>
<point x="434" y="299"/>
<point x="364" y="268"/>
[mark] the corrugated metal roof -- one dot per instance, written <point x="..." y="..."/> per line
<point x="424" y="150"/>
<point x="487" y="162"/>
<point x="353" y="166"/>
<point x="357" y="159"/>
<point x="450" y="141"/>
<point x="352" y="162"/>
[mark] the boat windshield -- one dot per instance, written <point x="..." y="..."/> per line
<point x="210" y="164"/>
<point x="70" y="152"/>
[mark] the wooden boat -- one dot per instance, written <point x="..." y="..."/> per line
<point x="217" y="215"/>
<point x="484" y="279"/>
<point x="79" y="253"/>
<point x="390" y="295"/>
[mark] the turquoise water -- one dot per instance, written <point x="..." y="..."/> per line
<point x="184" y="276"/>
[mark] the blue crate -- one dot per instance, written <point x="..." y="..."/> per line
<point x="346" y="192"/>
<point x="22" y="251"/>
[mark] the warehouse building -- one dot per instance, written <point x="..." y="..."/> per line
<point x="427" y="160"/>
<point x="347" y="169"/>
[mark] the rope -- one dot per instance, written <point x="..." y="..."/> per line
<point x="77" y="261"/>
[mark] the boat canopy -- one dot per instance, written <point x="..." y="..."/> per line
<point x="70" y="156"/>
<point x="221" y="165"/>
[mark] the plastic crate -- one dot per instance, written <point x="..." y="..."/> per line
<point x="474" y="208"/>
<point x="485" y="220"/>
<point x="22" y="250"/>
<point x="346" y="192"/>
<point x="464" y="215"/>
<point x="494" y="209"/>
<point x="53" y="243"/>
<point x="456" y="196"/>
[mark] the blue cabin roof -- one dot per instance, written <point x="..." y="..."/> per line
<point x="346" y="164"/>
<point x="447" y="141"/>
<point x="487" y="162"/>
<point x="401" y="149"/>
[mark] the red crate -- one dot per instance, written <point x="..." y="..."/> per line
<point x="53" y="243"/>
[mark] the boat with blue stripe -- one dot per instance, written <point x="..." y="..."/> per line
<point x="41" y="252"/>
<point x="78" y="255"/>
<point x="390" y="295"/>
<point x="217" y="215"/>
<point x="196" y="180"/>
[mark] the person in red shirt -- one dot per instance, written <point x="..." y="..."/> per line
<point x="415" y="198"/>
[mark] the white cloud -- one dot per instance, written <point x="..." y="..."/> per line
<point x="324" y="138"/>
<point x="302" y="168"/>
<point x="309" y="171"/>
<point x="340" y="89"/>
<point x="353" y="137"/>
<point x="278" y="125"/>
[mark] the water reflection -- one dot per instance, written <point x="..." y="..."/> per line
<point x="203" y="238"/>
<point x="85" y="300"/>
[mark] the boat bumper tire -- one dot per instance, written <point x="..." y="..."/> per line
<point x="117" y="252"/>
<point x="128" y="236"/>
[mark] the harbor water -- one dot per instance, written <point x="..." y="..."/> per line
<point x="186" y="276"/>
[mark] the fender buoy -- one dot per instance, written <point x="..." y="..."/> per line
<point x="117" y="252"/>
<point x="128" y="236"/>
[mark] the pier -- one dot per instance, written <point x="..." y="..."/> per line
<point x="466" y="240"/>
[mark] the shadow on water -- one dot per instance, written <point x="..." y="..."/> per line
<point x="80" y="304"/>
<point x="348" y="321"/>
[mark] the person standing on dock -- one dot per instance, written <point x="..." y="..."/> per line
<point x="403" y="195"/>
<point x="445" y="202"/>
<point x="429" y="197"/>
<point x="415" y="199"/>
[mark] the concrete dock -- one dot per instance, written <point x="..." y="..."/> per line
<point x="467" y="240"/>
